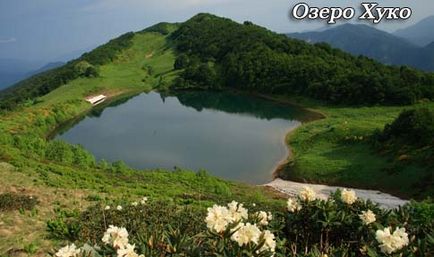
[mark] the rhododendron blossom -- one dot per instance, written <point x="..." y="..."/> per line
<point x="264" y="217"/>
<point x="307" y="194"/>
<point x="117" y="237"/>
<point x="368" y="217"/>
<point x="293" y="205"/>
<point x="270" y="242"/>
<point x="238" y="212"/>
<point x="128" y="251"/>
<point x="144" y="200"/>
<point x="218" y="218"/>
<point x="390" y="243"/>
<point x="68" y="251"/>
<point x="247" y="233"/>
<point x="348" y="196"/>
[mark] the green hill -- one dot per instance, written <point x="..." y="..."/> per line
<point x="223" y="53"/>
<point x="212" y="53"/>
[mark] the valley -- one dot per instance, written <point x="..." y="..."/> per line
<point x="200" y="67"/>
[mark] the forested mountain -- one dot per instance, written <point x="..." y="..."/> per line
<point x="215" y="52"/>
<point x="421" y="33"/>
<point x="364" y="40"/>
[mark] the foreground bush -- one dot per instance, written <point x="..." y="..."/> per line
<point x="342" y="225"/>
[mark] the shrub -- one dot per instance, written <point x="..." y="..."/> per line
<point x="342" y="225"/>
<point x="64" y="225"/>
<point x="13" y="201"/>
<point x="412" y="127"/>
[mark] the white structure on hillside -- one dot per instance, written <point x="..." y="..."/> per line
<point x="95" y="100"/>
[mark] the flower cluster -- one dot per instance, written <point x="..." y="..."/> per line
<point x="264" y="218"/>
<point x="368" y="217"/>
<point x="293" y="205"/>
<point x="392" y="242"/>
<point x="117" y="237"/>
<point x="348" y="196"/>
<point x="220" y="217"/>
<point x="144" y="200"/>
<point x="307" y="194"/>
<point x="246" y="233"/>
<point x="237" y="211"/>
<point x="68" y="251"/>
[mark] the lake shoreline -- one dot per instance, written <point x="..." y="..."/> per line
<point x="286" y="187"/>
<point x="278" y="183"/>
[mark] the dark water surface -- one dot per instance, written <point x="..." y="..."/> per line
<point x="233" y="136"/>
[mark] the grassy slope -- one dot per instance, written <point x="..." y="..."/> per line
<point x="336" y="150"/>
<point x="322" y="152"/>
<point x="69" y="186"/>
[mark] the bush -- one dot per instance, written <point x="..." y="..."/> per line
<point x="64" y="225"/>
<point x="13" y="202"/>
<point x="339" y="226"/>
<point x="412" y="127"/>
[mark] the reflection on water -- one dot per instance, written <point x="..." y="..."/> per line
<point x="231" y="135"/>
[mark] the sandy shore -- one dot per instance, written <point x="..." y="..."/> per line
<point x="323" y="191"/>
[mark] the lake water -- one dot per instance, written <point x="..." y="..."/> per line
<point x="231" y="135"/>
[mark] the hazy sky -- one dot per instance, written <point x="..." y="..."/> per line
<point x="46" y="30"/>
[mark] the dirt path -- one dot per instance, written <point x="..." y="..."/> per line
<point x="323" y="191"/>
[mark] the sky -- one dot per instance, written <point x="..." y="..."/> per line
<point x="52" y="30"/>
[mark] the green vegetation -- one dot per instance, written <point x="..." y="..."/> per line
<point x="63" y="175"/>
<point x="347" y="147"/>
<point x="340" y="226"/>
<point x="225" y="54"/>
<point x="12" y="202"/>
<point x="339" y="150"/>
<point x="46" y="82"/>
<point x="411" y="128"/>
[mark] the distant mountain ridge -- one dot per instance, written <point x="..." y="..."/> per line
<point x="420" y="34"/>
<point x="12" y="71"/>
<point x="364" y="40"/>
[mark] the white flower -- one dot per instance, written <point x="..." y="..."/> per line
<point x="270" y="242"/>
<point x="247" y="233"/>
<point x="119" y="208"/>
<point x="254" y="204"/>
<point x="307" y="194"/>
<point x="264" y="217"/>
<point x="107" y="208"/>
<point x="367" y="217"/>
<point x="68" y="251"/>
<point x="348" y="196"/>
<point x="117" y="237"/>
<point x="144" y="200"/>
<point x="293" y="205"/>
<point x="128" y="251"/>
<point x="390" y="243"/>
<point x="218" y="218"/>
<point x="134" y="204"/>
<point x="238" y="212"/>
